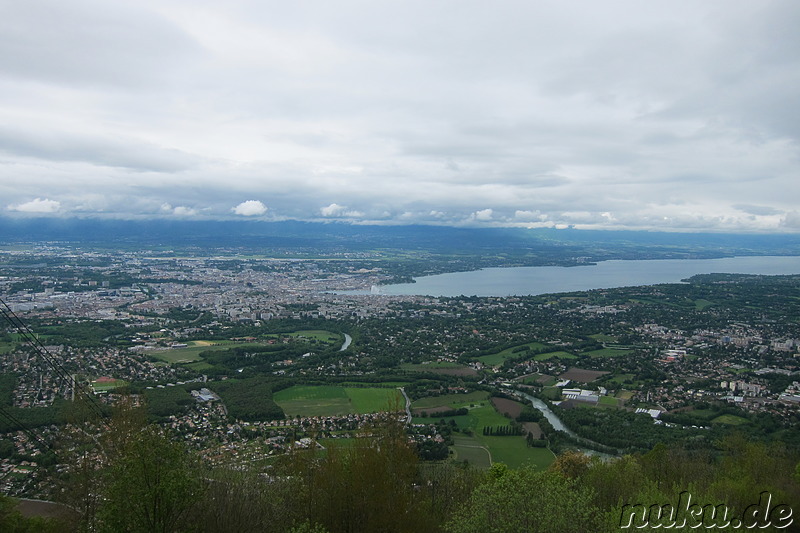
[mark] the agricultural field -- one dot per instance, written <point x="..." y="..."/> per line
<point x="512" y="451"/>
<point x="539" y="379"/>
<point x="582" y="375"/>
<point x="508" y="407"/>
<point x="328" y="400"/>
<point x="515" y="452"/>
<point x="497" y="359"/>
<point x="441" y="367"/>
<point x="470" y="450"/>
<point x="451" y="401"/>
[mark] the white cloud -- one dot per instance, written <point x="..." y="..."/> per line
<point x="618" y="108"/>
<point x="483" y="214"/>
<point x="183" y="211"/>
<point x="250" y="208"/>
<point x="180" y="210"/>
<point x="335" y="210"/>
<point x="37" y="205"/>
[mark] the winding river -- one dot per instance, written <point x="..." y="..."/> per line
<point x="347" y="340"/>
<point x="557" y="424"/>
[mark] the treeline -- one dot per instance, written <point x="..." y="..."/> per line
<point x="508" y="430"/>
<point x="461" y="411"/>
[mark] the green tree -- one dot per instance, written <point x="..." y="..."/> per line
<point x="529" y="501"/>
<point x="151" y="486"/>
<point x="365" y="486"/>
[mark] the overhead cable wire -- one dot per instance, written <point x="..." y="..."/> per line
<point x="42" y="351"/>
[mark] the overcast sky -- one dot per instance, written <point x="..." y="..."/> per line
<point x="677" y="116"/>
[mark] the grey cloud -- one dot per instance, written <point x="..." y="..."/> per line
<point x="97" y="150"/>
<point x="758" y="209"/>
<point x="86" y="41"/>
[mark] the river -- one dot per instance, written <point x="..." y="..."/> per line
<point x="603" y="275"/>
<point x="347" y="340"/>
<point x="557" y="424"/>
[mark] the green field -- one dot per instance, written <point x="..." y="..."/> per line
<point x="550" y="355"/>
<point x="601" y="337"/>
<point x="609" y="401"/>
<point x="453" y="401"/>
<point x="374" y="400"/>
<point x="199" y="366"/>
<point x="470" y="450"/>
<point x="498" y="358"/>
<point x="731" y="420"/>
<point x="702" y="304"/>
<point x="607" y="352"/>
<point x="328" y="400"/>
<point x="619" y="379"/>
<point x="512" y="451"/>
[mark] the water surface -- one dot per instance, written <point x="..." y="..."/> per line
<point x="604" y="275"/>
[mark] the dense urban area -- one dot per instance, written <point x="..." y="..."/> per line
<point x="247" y="359"/>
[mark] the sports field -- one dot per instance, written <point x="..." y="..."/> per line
<point x="105" y="386"/>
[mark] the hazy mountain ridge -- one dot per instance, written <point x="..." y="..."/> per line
<point x="330" y="236"/>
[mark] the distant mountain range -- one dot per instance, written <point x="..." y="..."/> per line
<point x="330" y="237"/>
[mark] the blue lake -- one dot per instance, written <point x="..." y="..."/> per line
<point x="604" y="275"/>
